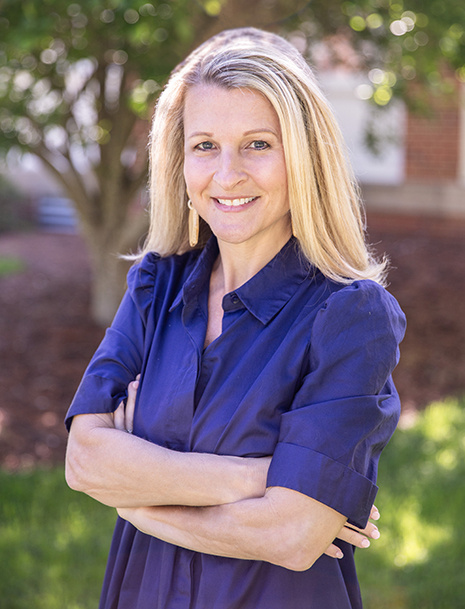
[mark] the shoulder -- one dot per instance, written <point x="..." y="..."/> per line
<point x="158" y="275"/>
<point x="154" y="268"/>
<point x="367" y="297"/>
<point x="362" y="305"/>
<point x="365" y="294"/>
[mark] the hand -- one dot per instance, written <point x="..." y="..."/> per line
<point x="360" y="538"/>
<point x="123" y="417"/>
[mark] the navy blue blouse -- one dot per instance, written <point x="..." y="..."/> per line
<point x="301" y="371"/>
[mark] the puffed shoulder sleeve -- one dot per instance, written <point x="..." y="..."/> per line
<point x="346" y="408"/>
<point x="118" y="359"/>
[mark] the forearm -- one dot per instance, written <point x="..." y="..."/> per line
<point x="119" y="469"/>
<point x="283" y="527"/>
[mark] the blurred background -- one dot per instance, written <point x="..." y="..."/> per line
<point x="78" y="83"/>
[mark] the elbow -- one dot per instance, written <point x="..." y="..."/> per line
<point x="89" y="458"/>
<point x="298" y="559"/>
<point x="296" y="552"/>
<point x="79" y="471"/>
<point x="299" y="564"/>
<point x="71" y="479"/>
<point x="75" y="472"/>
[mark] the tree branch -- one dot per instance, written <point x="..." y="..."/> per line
<point x="71" y="180"/>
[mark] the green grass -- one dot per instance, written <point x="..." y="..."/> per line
<point x="9" y="266"/>
<point x="418" y="561"/>
<point x="54" y="542"/>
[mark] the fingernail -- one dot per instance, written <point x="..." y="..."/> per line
<point x="375" y="534"/>
<point x="365" y="543"/>
<point x="339" y="554"/>
<point x="135" y="384"/>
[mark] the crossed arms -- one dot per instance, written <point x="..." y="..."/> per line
<point x="204" y="502"/>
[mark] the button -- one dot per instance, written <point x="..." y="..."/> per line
<point x="235" y="298"/>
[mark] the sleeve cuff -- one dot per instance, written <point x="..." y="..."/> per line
<point x="324" y="480"/>
<point x="95" y="395"/>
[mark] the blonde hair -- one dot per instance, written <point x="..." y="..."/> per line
<point x="325" y="205"/>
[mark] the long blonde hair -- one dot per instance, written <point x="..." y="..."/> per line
<point x="325" y="205"/>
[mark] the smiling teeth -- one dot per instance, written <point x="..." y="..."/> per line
<point x="235" y="202"/>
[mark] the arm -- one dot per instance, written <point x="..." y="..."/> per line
<point x="284" y="527"/>
<point x="145" y="518"/>
<point x="174" y="526"/>
<point x="117" y="468"/>
<point x="346" y="407"/>
<point x="264" y="525"/>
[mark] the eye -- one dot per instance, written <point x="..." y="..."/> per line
<point x="204" y="146"/>
<point x="259" y="145"/>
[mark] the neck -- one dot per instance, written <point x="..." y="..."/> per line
<point x="237" y="263"/>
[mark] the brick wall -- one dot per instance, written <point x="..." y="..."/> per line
<point x="433" y="141"/>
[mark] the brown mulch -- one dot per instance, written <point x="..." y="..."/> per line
<point x="47" y="338"/>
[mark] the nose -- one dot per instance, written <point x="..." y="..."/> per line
<point x="229" y="171"/>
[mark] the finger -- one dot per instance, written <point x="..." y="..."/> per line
<point x="334" y="552"/>
<point x="371" y="530"/>
<point x="131" y="405"/>
<point x="356" y="538"/>
<point x="374" y="514"/>
<point x="119" y="418"/>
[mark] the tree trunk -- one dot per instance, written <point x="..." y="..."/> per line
<point x="109" y="282"/>
<point x="108" y="278"/>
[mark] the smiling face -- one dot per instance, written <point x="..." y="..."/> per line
<point x="234" y="166"/>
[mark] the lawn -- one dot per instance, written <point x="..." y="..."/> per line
<point x="53" y="541"/>
<point x="418" y="562"/>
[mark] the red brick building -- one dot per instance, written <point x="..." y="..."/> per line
<point x="434" y="162"/>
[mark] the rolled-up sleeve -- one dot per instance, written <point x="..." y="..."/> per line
<point x="346" y="408"/>
<point x="118" y="359"/>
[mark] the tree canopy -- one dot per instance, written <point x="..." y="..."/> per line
<point x="401" y="42"/>
<point x="78" y="81"/>
<point x="77" y="85"/>
<point x="69" y="72"/>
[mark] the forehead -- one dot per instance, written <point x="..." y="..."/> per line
<point x="210" y="107"/>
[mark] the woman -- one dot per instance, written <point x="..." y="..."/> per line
<point x="260" y="328"/>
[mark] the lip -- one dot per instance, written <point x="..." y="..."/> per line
<point x="234" y="208"/>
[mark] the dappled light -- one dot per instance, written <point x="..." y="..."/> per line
<point x="53" y="543"/>
<point x="421" y="501"/>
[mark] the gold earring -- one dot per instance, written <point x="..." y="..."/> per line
<point x="193" y="225"/>
<point x="293" y="229"/>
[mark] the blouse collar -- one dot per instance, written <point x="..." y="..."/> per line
<point x="265" y="294"/>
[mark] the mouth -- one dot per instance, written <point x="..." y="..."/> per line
<point x="235" y="202"/>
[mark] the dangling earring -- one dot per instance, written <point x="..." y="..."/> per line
<point x="293" y="229"/>
<point x="193" y="225"/>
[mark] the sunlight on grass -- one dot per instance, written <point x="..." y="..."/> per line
<point x="417" y="538"/>
<point x="418" y="560"/>
<point x="53" y="543"/>
<point x="438" y="421"/>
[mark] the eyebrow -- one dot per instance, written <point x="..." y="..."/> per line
<point x="250" y="132"/>
<point x="264" y="130"/>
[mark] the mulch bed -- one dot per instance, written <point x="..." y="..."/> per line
<point x="47" y="337"/>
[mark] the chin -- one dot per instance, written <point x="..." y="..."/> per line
<point x="233" y="237"/>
